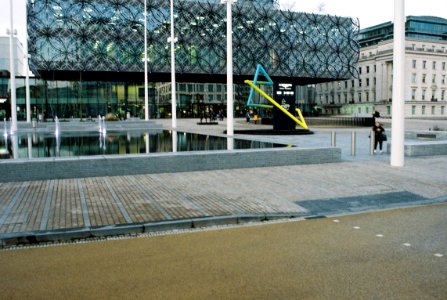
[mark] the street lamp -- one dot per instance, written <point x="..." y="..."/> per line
<point x="146" y="96"/>
<point x="172" y="39"/>
<point x="398" y="107"/>
<point x="13" y="73"/>
<point x="230" y="128"/>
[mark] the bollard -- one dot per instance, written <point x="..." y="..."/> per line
<point x="333" y="139"/>
<point x="353" y="143"/>
<point x="372" y="141"/>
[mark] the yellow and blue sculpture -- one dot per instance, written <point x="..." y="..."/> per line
<point x="283" y="107"/>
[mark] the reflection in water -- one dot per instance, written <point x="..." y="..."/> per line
<point x="174" y="140"/>
<point x="5" y="131"/>
<point x="67" y="144"/>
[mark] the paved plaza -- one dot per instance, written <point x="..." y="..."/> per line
<point x="75" y="208"/>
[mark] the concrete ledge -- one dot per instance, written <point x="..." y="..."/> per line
<point x="35" y="237"/>
<point x="426" y="149"/>
<point x="116" y="230"/>
<point x="66" y="235"/>
<point x="120" y="165"/>
<point x="214" y="221"/>
<point x="167" y="225"/>
<point x="423" y="148"/>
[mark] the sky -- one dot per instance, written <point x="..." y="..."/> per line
<point x="369" y="12"/>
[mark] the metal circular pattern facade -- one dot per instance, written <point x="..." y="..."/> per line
<point x="107" y="35"/>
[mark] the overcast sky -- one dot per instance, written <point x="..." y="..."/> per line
<point x="369" y="12"/>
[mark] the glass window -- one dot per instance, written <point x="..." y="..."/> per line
<point x="360" y="82"/>
<point x="442" y="110"/>
<point x="433" y="108"/>
<point x="367" y="81"/>
<point x="413" y="78"/>
<point x="443" y="66"/>
<point x="443" y="79"/>
<point x="442" y="94"/>
<point x="433" y="79"/>
<point x="219" y="88"/>
<point x="424" y="64"/>
<point x="423" y="77"/>
<point x="413" y="110"/>
<point x="388" y="110"/>
<point x="413" y="94"/>
<point x="423" y="109"/>
<point x="434" y="65"/>
<point x="367" y="69"/>
<point x="423" y="94"/>
<point x="360" y="97"/>
<point x="360" y="70"/>
<point x="414" y="64"/>
<point x="210" y="88"/>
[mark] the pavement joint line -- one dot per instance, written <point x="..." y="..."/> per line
<point x="118" y="201"/>
<point x="149" y="199"/>
<point x="11" y="204"/>
<point x="84" y="206"/>
<point x="46" y="210"/>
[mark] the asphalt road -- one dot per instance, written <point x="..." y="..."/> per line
<point x="395" y="254"/>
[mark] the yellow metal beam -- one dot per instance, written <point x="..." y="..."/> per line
<point x="300" y="122"/>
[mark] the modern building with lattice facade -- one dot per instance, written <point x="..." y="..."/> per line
<point x="425" y="78"/>
<point x="88" y="56"/>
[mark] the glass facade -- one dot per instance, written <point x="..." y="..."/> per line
<point x="416" y="27"/>
<point x="88" y="56"/>
<point x="74" y="99"/>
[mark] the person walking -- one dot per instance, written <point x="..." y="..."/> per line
<point x="379" y="136"/>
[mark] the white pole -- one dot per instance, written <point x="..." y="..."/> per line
<point x="230" y="127"/>
<point x="398" y="109"/>
<point x="146" y="96"/>
<point x="13" y="73"/>
<point x="27" y="90"/>
<point x="173" y="92"/>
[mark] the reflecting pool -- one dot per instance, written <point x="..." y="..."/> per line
<point x="70" y="144"/>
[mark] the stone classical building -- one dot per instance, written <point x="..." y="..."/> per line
<point x="372" y="89"/>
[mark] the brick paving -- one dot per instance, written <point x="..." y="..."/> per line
<point x="64" y="204"/>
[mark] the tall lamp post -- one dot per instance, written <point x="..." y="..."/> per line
<point x="230" y="105"/>
<point x="146" y="96"/>
<point x="172" y="39"/>
<point x="398" y="106"/>
<point x="27" y="88"/>
<point x="13" y="73"/>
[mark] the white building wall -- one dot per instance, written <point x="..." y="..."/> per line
<point x="4" y="55"/>
<point x="430" y="60"/>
